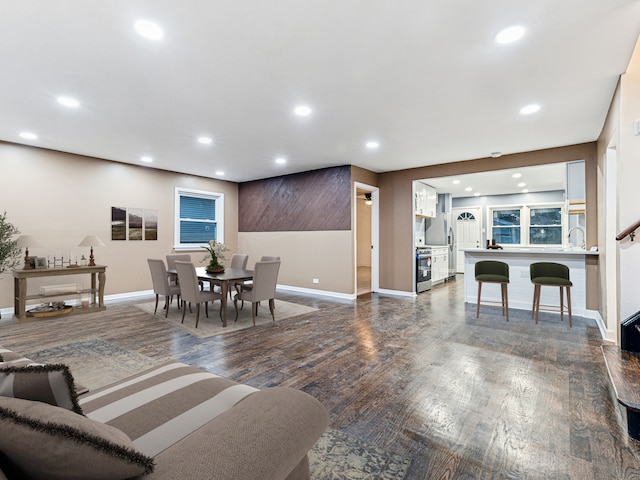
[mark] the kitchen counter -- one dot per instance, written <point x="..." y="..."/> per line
<point x="520" y="286"/>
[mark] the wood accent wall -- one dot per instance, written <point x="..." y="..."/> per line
<point x="318" y="200"/>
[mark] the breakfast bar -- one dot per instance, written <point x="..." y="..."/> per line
<point x="520" y="286"/>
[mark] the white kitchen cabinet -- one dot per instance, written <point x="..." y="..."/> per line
<point x="425" y="199"/>
<point x="439" y="264"/>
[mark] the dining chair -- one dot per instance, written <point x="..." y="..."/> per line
<point x="171" y="263"/>
<point x="189" y="287"/>
<point x="265" y="279"/>
<point x="161" y="285"/>
<point x="550" y="274"/>
<point x="238" y="260"/>
<point x="247" y="284"/>
<point x="492" y="271"/>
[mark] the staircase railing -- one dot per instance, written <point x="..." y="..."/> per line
<point x="630" y="231"/>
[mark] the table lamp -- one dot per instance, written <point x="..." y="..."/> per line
<point x="91" y="241"/>
<point x="27" y="241"/>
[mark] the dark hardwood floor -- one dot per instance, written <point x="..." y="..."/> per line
<point x="464" y="398"/>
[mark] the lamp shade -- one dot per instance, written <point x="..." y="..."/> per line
<point x="28" y="241"/>
<point x="91" y="241"/>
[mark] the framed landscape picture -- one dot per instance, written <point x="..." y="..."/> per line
<point x="118" y="223"/>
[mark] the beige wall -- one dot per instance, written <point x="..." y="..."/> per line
<point x="396" y="216"/>
<point x="60" y="198"/>
<point x="325" y="255"/>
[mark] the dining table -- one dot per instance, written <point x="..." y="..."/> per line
<point x="230" y="276"/>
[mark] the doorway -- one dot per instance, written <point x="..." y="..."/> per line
<point x="366" y="234"/>
<point x="468" y="228"/>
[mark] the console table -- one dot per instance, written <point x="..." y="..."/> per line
<point x="20" y="278"/>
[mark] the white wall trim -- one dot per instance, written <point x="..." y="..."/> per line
<point x="607" y="334"/>
<point x="325" y="293"/>
<point x="397" y="293"/>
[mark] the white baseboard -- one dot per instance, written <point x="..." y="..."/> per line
<point x="607" y="334"/>
<point x="312" y="291"/>
<point x="397" y="293"/>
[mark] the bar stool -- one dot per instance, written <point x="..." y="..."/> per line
<point x="550" y="274"/>
<point x="492" y="271"/>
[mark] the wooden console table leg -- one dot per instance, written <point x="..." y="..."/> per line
<point x="101" y="281"/>
<point x="20" y="294"/>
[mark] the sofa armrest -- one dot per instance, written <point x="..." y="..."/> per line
<point x="265" y="436"/>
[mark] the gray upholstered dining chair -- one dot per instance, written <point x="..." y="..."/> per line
<point x="191" y="292"/>
<point x="171" y="264"/>
<point x="247" y="285"/>
<point x="238" y="260"/>
<point x="161" y="285"/>
<point x="265" y="279"/>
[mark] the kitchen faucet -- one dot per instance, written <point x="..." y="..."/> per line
<point x="584" y="239"/>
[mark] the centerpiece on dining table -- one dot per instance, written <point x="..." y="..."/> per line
<point x="216" y="255"/>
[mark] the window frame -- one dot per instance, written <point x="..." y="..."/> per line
<point x="525" y="222"/>
<point x="219" y="216"/>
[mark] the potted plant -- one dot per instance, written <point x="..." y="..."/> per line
<point x="216" y="255"/>
<point x="9" y="249"/>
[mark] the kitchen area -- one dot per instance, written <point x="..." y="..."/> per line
<point x="518" y="216"/>
<point x="434" y="237"/>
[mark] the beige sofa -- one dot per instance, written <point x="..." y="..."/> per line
<point x="173" y="421"/>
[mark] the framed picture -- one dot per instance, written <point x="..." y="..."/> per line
<point x="40" y="262"/>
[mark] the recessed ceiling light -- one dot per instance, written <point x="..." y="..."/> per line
<point x="28" y="135"/>
<point x="68" y="102"/>
<point x="372" y="144"/>
<point x="522" y="184"/>
<point x="526" y="190"/>
<point x="510" y="35"/>
<point x="149" y="30"/>
<point x="516" y="175"/>
<point x="281" y="160"/>
<point x="220" y="173"/>
<point x="205" y="140"/>
<point x="496" y="154"/>
<point x="529" y="109"/>
<point x="477" y="194"/>
<point x="456" y="182"/>
<point x="302" y="111"/>
<point x="146" y="159"/>
<point x="468" y="189"/>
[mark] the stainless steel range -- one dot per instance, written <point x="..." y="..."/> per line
<point x="423" y="269"/>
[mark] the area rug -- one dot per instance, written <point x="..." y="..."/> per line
<point x="336" y="455"/>
<point x="212" y="326"/>
<point x="94" y="362"/>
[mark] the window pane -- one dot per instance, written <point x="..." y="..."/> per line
<point x="506" y="217"/>
<point x="197" y="232"/>
<point x="506" y="235"/>
<point x="546" y="216"/>
<point x="545" y="235"/>
<point x="196" y="208"/>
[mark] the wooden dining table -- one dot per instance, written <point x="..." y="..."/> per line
<point x="224" y="279"/>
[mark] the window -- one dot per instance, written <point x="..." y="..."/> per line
<point x="545" y="226"/>
<point x="506" y="226"/>
<point x="527" y="225"/>
<point x="199" y="218"/>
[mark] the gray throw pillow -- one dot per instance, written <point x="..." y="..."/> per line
<point x="47" y="442"/>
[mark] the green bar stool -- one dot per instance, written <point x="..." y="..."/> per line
<point x="550" y="274"/>
<point x="492" y="271"/>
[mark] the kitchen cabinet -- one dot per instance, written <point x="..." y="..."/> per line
<point x="425" y="200"/>
<point x="439" y="264"/>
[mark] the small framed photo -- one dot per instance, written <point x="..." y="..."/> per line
<point x="40" y="262"/>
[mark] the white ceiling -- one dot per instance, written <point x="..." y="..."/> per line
<point x="424" y="78"/>
<point x="541" y="178"/>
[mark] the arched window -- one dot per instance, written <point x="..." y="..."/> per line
<point x="466" y="216"/>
